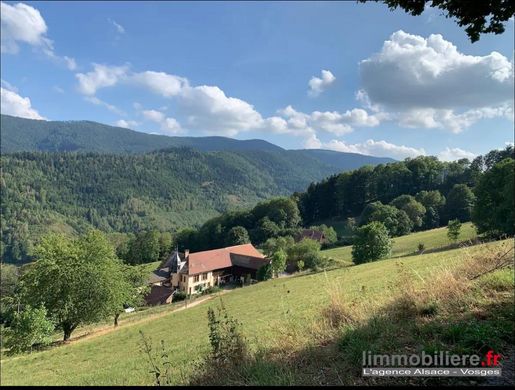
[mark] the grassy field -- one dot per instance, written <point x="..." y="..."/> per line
<point x="408" y="245"/>
<point x="115" y="359"/>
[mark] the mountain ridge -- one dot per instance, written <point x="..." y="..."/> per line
<point x="29" y="135"/>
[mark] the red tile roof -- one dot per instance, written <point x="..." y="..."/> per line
<point x="221" y="258"/>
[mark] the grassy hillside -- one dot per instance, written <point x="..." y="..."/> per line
<point x="265" y="310"/>
<point x="408" y="245"/>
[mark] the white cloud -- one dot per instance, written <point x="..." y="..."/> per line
<point x="96" y="101"/>
<point x="426" y="82"/>
<point x="317" y="85"/>
<point x="16" y="105"/>
<point x="70" y="62"/>
<point x="22" y="23"/>
<point x="208" y="109"/>
<point x="164" y="84"/>
<point x="329" y="121"/>
<point x="168" y="125"/>
<point x="154" y="115"/>
<point x="126" y="124"/>
<point x="102" y="76"/>
<point x="58" y="89"/>
<point x="452" y="154"/>
<point x="375" y="148"/>
<point x="119" y="28"/>
<point x="8" y="86"/>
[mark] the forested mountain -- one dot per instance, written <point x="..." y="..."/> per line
<point x="28" y="135"/>
<point x="164" y="190"/>
<point x="67" y="176"/>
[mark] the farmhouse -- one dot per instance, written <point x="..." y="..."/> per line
<point x="194" y="272"/>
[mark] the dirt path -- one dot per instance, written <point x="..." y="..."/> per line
<point x="110" y="328"/>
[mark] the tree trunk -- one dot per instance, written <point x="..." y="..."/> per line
<point x="68" y="329"/>
<point x="116" y="316"/>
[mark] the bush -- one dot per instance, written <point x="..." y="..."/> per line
<point x="228" y="345"/>
<point x="179" y="296"/>
<point x="453" y="229"/>
<point x="308" y="251"/>
<point x="421" y="247"/>
<point x="211" y="290"/>
<point x="265" y="272"/>
<point x="371" y="242"/>
<point x="29" y="328"/>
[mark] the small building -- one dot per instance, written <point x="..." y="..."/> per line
<point x="312" y="234"/>
<point x="194" y="272"/>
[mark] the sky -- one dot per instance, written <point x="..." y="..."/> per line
<point x="343" y="76"/>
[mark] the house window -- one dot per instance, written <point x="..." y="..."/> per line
<point x="204" y="276"/>
<point x="197" y="278"/>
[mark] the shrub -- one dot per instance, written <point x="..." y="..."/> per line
<point x="453" y="230"/>
<point x="278" y="262"/>
<point x="179" y="296"/>
<point x="160" y="365"/>
<point x="371" y="243"/>
<point x="228" y="345"/>
<point x="421" y="247"/>
<point x="211" y="290"/>
<point x="265" y="272"/>
<point x="29" y="328"/>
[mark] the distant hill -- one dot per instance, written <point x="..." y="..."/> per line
<point x="68" y="176"/>
<point x="28" y="135"/>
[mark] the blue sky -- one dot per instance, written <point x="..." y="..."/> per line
<point x="334" y="75"/>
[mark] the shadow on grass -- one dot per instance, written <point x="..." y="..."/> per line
<point x="399" y="328"/>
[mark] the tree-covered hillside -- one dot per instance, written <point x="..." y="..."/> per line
<point x="163" y="190"/>
<point x="28" y="135"/>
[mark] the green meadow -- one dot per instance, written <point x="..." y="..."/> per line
<point x="114" y="358"/>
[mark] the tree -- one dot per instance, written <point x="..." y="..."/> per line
<point x="434" y="203"/>
<point x="265" y="230"/>
<point x="371" y="242"/>
<point x="273" y="245"/>
<point x="478" y="17"/>
<point x="453" y="229"/>
<point x="76" y="280"/>
<point x="29" y="328"/>
<point x="237" y="235"/>
<point x="493" y="212"/>
<point x="308" y="251"/>
<point x="278" y="262"/>
<point x="411" y="207"/>
<point x="9" y="292"/>
<point x="396" y="221"/>
<point x="129" y="289"/>
<point x="460" y="202"/>
<point x="265" y="272"/>
<point x="328" y="231"/>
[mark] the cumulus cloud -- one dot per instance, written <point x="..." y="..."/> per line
<point x="374" y="148"/>
<point x="317" y="85"/>
<point x="164" y="84"/>
<point x="426" y="82"/>
<point x="168" y="125"/>
<point x="16" y="105"/>
<point x="209" y="109"/>
<point x="102" y="76"/>
<point x="126" y="124"/>
<point x="452" y="154"/>
<point x="21" y="23"/>
<point x="332" y="122"/>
